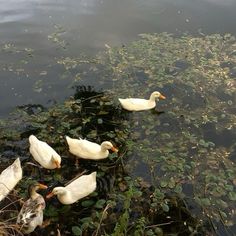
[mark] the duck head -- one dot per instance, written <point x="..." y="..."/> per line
<point x="56" y="191"/>
<point x="33" y="188"/>
<point x="157" y="94"/>
<point x="108" y="145"/>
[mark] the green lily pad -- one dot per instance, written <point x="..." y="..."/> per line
<point x="76" y="230"/>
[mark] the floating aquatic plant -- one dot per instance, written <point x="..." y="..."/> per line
<point x="176" y="168"/>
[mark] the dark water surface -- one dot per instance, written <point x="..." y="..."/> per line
<point x="53" y="29"/>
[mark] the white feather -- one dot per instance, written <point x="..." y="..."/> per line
<point x="9" y="178"/>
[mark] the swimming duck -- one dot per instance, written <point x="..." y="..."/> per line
<point x="77" y="189"/>
<point x="9" y="178"/>
<point x="139" y="104"/>
<point x="31" y="213"/>
<point x="44" y="154"/>
<point x="88" y="150"/>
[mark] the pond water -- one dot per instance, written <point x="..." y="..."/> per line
<point x="64" y="64"/>
<point x="53" y="29"/>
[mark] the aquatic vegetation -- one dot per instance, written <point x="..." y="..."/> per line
<point x="56" y="38"/>
<point x="175" y="170"/>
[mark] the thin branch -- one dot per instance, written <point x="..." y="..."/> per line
<point x="157" y="225"/>
<point x="103" y="213"/>
<point x="76" y="177"/>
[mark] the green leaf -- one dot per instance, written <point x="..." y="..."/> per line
<point x="76" y="230"/>
<point x="163" y="183"/>
<point x="87" y="203"/>
<point x="158" y="194"/>
<point x="100" y="121"/>
<point x="205" y="201"/>
<point x="57" y="177"/>
<point x="100" y="203"/>
<point x="103" y="113"/>
<point x="203" y="143"/>
<point x="171" y="184"/>
<point x="222" y="203"/>
<point x="65" y="208"/>
<point x="158" y="231"/>
<point x="51" y="211"/>
<point x="150" y="233"/>
<point x="223" y="214"/>
<point x="178" y="189"/>
<point x="154" y="204"/>
<point x="86" y="220"/>
<point x="165" y="207"/>
<point x="232" y="196"/>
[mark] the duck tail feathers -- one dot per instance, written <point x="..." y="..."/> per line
<point x="17" y="162"/>
<point x="32" y="138"/>
<point x="94" y="174"/>
<point x="67" y="138"/>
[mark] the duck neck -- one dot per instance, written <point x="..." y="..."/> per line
<point x="34" y="194"/>
<point x="152" y="98"/>
<point x="103" y="151"/>
<point x="64" y="196"/>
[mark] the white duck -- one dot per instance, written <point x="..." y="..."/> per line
<point x="139" y="104"/>
<point x="9" y="178"/>
<point x="88" y="150"/>
<point x="77" y="189"/>
<point x="44" y="154"/>
<point x="31" y="213"/>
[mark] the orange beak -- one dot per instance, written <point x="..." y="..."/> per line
<point x="58" y="165"/>
<point x="114" y="149"/>
<point x="162" y="97"/>
<point x="42" y="186"/>
<point x="50" y="195"/>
